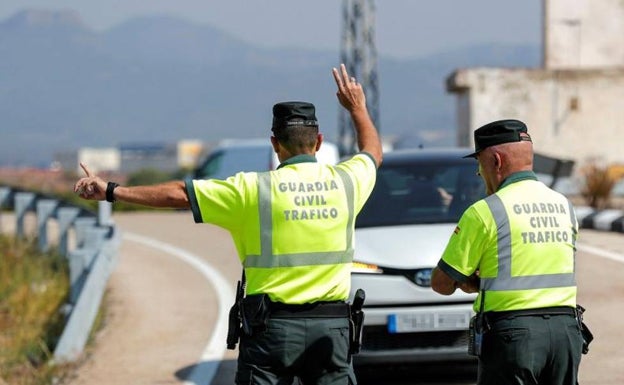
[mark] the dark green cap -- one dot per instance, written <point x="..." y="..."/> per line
<point x="499" y="132"/>
<point x="287" y="114"/>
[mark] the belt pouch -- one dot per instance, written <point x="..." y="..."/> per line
<point x="255" y="313"/>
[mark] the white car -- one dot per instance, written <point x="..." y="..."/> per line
<point x="400" y="235"/>
<point x="235" y="155"/>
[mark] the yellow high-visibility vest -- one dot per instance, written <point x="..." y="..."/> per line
<point x="293" y="227"/>
<point x="522" y="241"/>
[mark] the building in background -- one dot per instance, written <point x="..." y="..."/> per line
<point x="190" y="153"/>
<point x="98" y="159"/>
<point x="148" y="155"/>
<point x="574" y="104"/>
<point x="131" y="157"/>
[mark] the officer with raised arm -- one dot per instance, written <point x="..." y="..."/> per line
<point x="293" y="229"/>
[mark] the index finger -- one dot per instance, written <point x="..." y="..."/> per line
<point x="86" y="170"/>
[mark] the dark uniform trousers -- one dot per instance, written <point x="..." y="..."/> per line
<point x="314" y="349"/>
<point x="531" y="350"/>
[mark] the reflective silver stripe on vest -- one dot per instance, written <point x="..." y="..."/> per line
<point x="268" y="260"/>
<point x="348" y="184"/>
<point x="574" y="229"/>
<point x="264" y="208"/>
<point x="504" y="280"/>
<point x="574" y="223"/>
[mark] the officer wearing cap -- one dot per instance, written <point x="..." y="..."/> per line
<point x="293" y="229"/>
<point x="516" y="249"/>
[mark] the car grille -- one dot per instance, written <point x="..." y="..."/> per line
<point x="421" y="277"/>
<point x="378" y="338"/>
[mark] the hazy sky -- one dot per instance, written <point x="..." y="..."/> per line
<point x="404" y="28"/>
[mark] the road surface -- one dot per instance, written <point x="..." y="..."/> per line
<point x="166" y="318"/>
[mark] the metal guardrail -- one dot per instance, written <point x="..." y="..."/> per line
<point x="91" y="259"/>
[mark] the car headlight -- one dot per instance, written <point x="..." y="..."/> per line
<point x="365" y="268"/>
<point x="422" y="277"/>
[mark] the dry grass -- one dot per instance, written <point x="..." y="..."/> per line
<point x="598" y="186"/>
<point x="33" y="288"/>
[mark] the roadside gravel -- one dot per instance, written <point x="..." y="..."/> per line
<point x="158" y="319"/>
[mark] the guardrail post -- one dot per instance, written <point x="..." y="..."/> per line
<point x="81" y="225"/>
<point x="66" y="216"/>
<point x="74" y="337"/>
<point x="24" y="201"/>
<point x="105" y="210"/>
<point x="95" y="236"/>
<point x="5" y="194"/>
<point x="78" y="269"/>
<point x="81" y="260"/>
<point x="90" y="262"/>
<point x="45" y="209"/>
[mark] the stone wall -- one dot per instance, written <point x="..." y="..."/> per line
<point x="583" y="34"/>
<point x="573" y="114"/>
<point x="574" y="105"/>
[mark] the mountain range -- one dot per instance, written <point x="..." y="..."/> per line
<point x="161" y="79"/>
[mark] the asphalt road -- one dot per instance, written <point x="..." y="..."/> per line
<point x="169" y="295"/>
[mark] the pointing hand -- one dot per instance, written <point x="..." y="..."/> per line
<point x="90" y="187"/>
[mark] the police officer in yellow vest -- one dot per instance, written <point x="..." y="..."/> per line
<point x="293" y="229"/>
<point x="516" y="249"/>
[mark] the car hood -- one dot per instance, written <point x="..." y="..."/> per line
<point x="402" y="247"/>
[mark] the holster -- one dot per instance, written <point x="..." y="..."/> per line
<point x="255" y="312"/>
<point x="476" y="329"/>
<point x="234" y="328"/>
<point x="234" y="319"/>
<point x="356" y="322"/>
<point x="587" y="335"/>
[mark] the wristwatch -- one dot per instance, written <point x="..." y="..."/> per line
<point x="110" y="188"/>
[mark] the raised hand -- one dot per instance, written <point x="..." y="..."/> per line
<point x="350" y="93"/>
<point x="90" y="187"/>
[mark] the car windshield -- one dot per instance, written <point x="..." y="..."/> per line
<point x="421" y="192"/>
<point x="225" y="163"/>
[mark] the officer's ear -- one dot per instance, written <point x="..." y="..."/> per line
<point x="497" y="160"/>
<point x="319" y="140"/>
<point x="275" y="144"/>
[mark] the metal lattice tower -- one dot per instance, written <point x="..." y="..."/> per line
<point x="359" y="54"/>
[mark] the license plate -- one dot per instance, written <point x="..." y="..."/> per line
<point x="419" y="322"/>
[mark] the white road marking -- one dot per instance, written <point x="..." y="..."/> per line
<point x="601" y="253"/>
<point x="206" y="368"/>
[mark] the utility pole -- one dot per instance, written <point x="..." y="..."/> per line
<point x="359" y="54"/>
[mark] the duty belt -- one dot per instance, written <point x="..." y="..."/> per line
<point x="310" y="310"/>
<point x="493" y="316"/>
